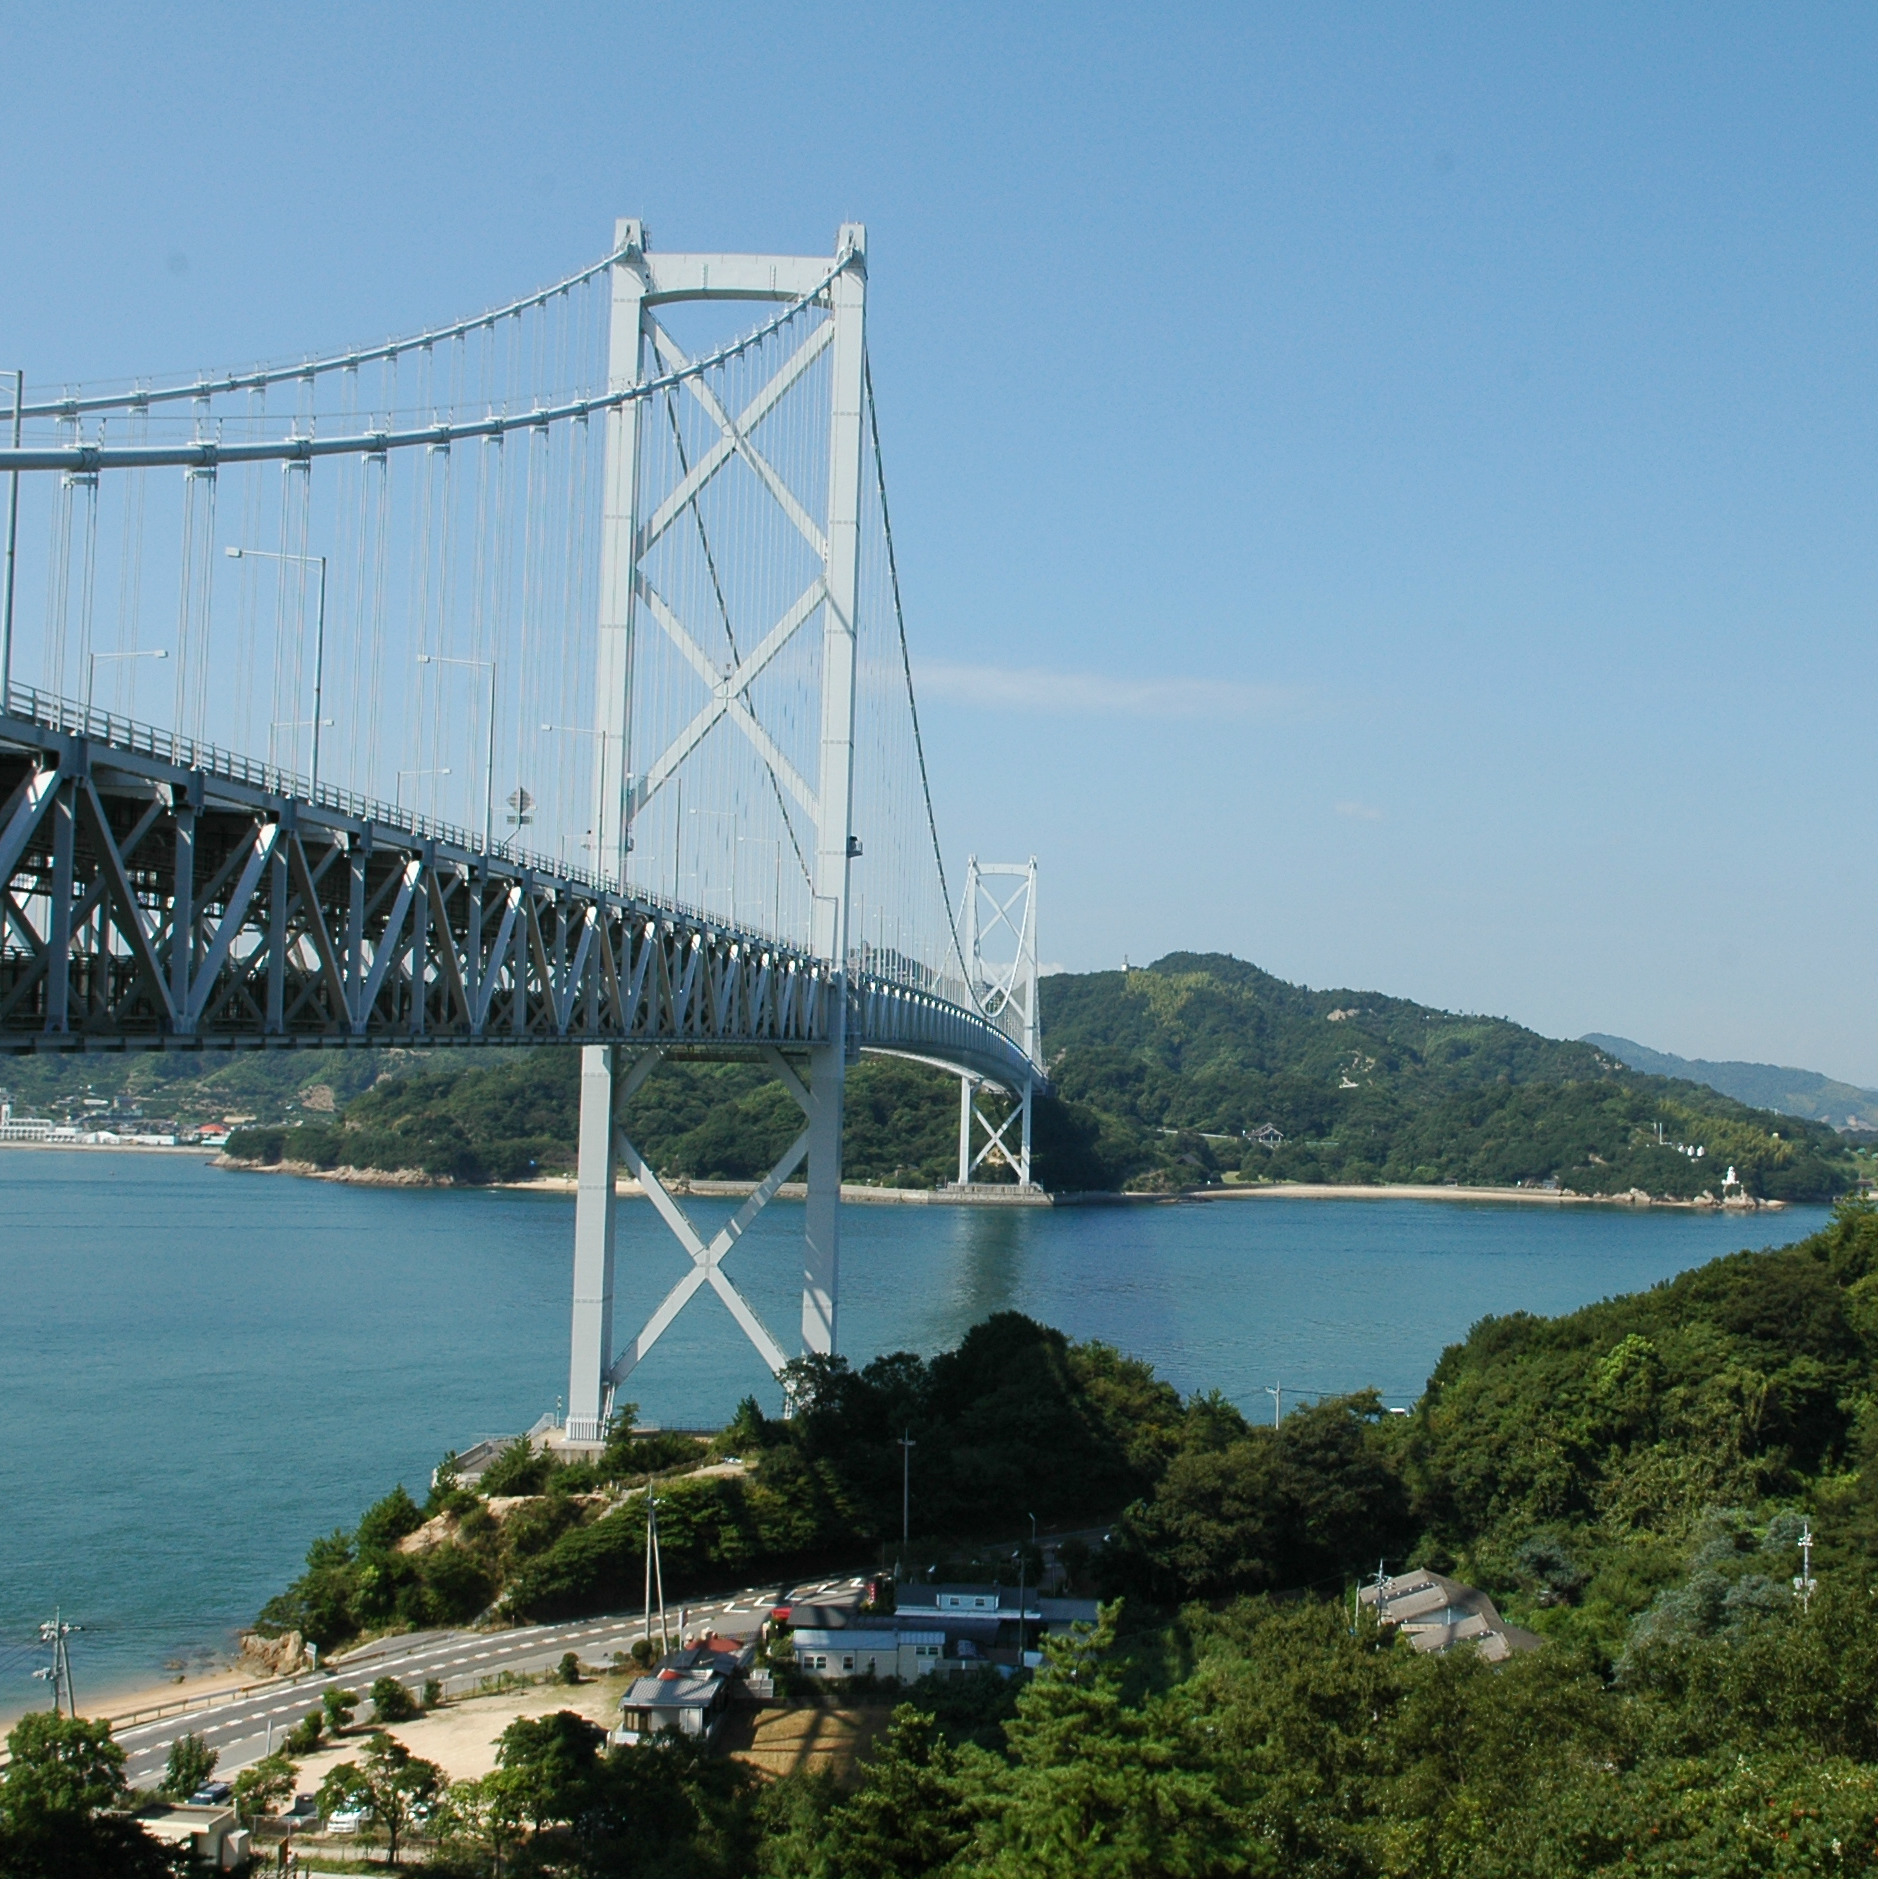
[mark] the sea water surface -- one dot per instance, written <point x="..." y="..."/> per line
<point x="202" y="1369"/>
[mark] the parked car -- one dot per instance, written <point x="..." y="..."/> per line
<point x="347" y="1820"/>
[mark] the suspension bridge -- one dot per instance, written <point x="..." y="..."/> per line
<point x="536" y="679"/>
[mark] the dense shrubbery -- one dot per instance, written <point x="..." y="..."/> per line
<point x="1017" y="1420"/>
<point x="1630" y="1479"/>
<point x="60" y="1802"/>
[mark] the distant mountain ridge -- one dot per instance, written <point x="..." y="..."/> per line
<point x="1778" y="1087"/>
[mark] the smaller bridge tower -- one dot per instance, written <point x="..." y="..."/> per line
<point x="999" y="944"/>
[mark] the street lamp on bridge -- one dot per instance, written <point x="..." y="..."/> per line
<point x="489" y="767"/>
<point x="319" y="636"/>
<point x="91" y="672"/>
<point x="397" y="787"/>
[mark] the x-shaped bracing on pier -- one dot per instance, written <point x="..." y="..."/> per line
<point x="707" y="1256"/>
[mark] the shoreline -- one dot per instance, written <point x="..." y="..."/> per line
<point x="856" y="1193"/>
<point x="1545" y="1197"/>
<point x="119" y="1700"/>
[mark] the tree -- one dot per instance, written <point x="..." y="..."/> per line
<point x="61" y="1765"/>
<point x="488" y="1814"/>
<point x="340" y="1706"/>
<point x="392" y="1788"/>
<point x="911" y="1814"/>
<point x="262" y="1785"/>
<point x="64" y="1772"/>
<point x="304" y="1737"/>
<point x="191" y="1762"/>
<point x="553" y="1760"/>
<point x="391" y="1701"/>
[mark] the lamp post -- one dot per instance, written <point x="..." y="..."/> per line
<point x="319" y="633"/>
<point x="91" y="672"/>
<point x="605" y="737"/>
<point x="489" y="765"/>
<point x="1023" y="1560"/>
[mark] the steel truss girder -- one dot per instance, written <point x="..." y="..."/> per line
<point x="148" y="905"/>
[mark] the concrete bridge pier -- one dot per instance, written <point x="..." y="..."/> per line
<point x="609" y="1076"/>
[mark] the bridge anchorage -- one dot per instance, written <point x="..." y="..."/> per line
<point x="571" y="634"/>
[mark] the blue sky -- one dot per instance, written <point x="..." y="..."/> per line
<point x="1385" y="493"/>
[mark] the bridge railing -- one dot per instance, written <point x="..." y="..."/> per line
<point x="867" y="965"/>
<point x="55" y="713"/>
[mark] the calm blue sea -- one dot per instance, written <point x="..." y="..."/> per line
<point x="200" y="1369"/>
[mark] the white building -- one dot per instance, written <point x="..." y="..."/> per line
<point x="881" y="1652"/>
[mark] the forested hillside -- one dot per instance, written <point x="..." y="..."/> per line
<point x="1629" y="1481"/>
<point x="1163" y="1076"/>
<point x="1369" y="1088"/>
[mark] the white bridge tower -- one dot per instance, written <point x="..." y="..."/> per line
<point x="634" y="520"/>
<point x="999" y="945"/>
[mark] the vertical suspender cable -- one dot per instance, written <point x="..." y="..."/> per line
<point x="13" y="542"/>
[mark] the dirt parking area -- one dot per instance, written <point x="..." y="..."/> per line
<point x="461" y="1738"/>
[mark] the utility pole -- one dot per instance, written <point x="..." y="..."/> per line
<point x="1804" y="1585"/>
<point x="59" y="1672"/>
<point x="907" y="1445"/>
<point x="655" y="1573"/>
<point x="1276" y="1391"/>
<point x="658" y="1567"/>
<point x="1022" y="1561"/>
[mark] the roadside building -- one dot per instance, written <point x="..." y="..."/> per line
<point x="883" y="1649"/>
<point x="211" y="1836"/>
<point x="936" y="1630"/>
<point x="691" y="1692"/>
<point x="1436" y="1613"/>
<point x="673" y="1702"/>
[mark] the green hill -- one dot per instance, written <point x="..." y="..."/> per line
<point x="1163" y="1078"/>
<point x="1199" y="1052"/>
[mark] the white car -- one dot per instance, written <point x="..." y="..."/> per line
<point x="347" y="1820"/>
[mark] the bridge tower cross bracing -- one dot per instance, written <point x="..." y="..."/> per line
<point x="643" y="281"/>
<point x="1005" y="915"/>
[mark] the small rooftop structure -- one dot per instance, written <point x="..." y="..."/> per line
<point x="210" y="1835"/>
<point x="1437" y="1613"/>
<point x="673" y="1702"/>
<point x="712" y="1656"/>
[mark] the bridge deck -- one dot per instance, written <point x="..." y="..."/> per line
<point x="317" y="918"/>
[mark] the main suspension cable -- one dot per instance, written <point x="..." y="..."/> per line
<point x="906" y="666"/>
<point x="205" y="453"/>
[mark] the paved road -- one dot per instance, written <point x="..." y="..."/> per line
<point x="240" y="1729"/>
